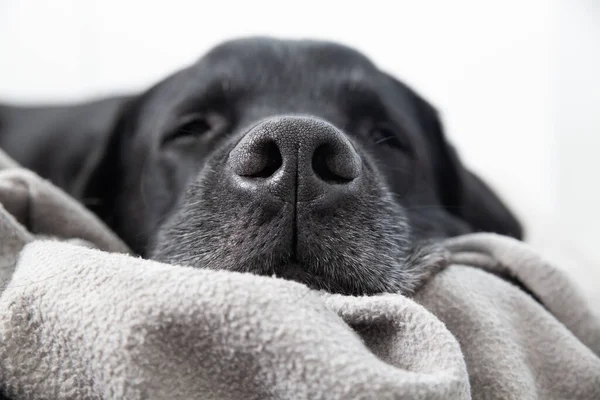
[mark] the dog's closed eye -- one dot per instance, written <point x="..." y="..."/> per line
<point x="385" y="134"/>
<point x="196" y="126"/>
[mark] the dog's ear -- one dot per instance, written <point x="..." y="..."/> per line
<point x="461" y="192"/>
<point x="101" y="176"/>
<point x="75" y="146"/>
<point x="467" y="196"/>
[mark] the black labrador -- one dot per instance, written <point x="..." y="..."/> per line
<point x="295" y="158"/>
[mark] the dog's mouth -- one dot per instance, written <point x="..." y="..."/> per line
<point x="364" y="246"/>
<point x="348" y="263"/>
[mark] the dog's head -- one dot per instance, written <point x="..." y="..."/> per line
<point x="295" y="158"/>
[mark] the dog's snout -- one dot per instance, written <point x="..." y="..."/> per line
<point x="295" y="157"/>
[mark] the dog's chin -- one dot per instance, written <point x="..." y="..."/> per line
<point x="330" y="272"/>
<point x="297" y="272"/>
<point x="403" y="276"/>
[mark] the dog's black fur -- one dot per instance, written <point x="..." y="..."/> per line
<point x="153" y="165"/>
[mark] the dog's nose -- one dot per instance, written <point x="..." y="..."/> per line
<point x="295" y="158"/>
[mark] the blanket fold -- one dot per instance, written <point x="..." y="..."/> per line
<point x="98" y="323"/>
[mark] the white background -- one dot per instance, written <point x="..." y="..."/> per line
<point x="517" y="81"/>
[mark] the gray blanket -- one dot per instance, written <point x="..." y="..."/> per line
<point x="78" y="322"/>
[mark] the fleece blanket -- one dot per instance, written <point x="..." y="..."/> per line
<point x="81" y="318"/>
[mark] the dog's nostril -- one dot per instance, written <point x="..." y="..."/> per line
<point x="326" y="165"/>
<point x="268" y="161"/>
<point x="272" y="160"/>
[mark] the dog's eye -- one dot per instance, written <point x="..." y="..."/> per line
<point x="194" y="127"/>
<point x="386" y="135"/>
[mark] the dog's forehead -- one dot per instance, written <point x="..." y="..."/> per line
<point x="277" y="50"/>
<point x="259" y="60"/>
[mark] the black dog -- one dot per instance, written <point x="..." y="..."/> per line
<point x="294" y="158"/>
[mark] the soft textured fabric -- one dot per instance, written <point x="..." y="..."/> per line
<point x="84" y="323"/>
<point x="31" y="208"/>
